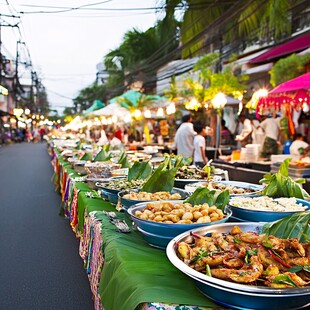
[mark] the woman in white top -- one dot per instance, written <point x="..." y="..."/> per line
<point x="200" y="158"/>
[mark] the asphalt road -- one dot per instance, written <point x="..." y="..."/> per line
<point x="40" y="267"/>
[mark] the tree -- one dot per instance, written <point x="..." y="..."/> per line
<point x="206" y="24"/>
<point x="137" y="50"/>
<point x="88" y="95"/>
<point x="209" y="83"/>
<point x="288" y="68"/>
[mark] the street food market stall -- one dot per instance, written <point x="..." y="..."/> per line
<point x="125" y="272"/>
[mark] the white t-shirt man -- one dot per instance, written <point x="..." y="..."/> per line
<point x="184" y="138"/>
<point x="271" y="127"/>
<point x="199" y="142"/>
<point x="296" y="145"/>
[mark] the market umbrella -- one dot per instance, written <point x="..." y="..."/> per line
<point x="131" y="95"/>
<point x="132" y="99"/>
<point x="95" y="106"/>
<point x="299" y="83"/>
<point x="294" y="92"/>
<point x="113" y="109"/>
<point x="291" y="94"/>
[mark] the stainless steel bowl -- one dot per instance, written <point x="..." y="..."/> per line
<point x="255" y="187"/>
<point x="222" y="284"/>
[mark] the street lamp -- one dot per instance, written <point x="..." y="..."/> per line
<point x="218" y="103"/>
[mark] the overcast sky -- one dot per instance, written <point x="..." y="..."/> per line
<point x="65" y="47"/>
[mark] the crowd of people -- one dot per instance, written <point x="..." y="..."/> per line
<point x="267" y="132"/>
<point x="24" y="134"/>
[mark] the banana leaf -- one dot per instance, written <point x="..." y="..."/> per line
<point x="212" y="197"/>
<point x="103" y="155"/>
<point x="123" y="160"/>
<point x="293" y="226"/>
<point x="163" y="177"/>
<point x="87" y="156"/>
<point x="139" y="171"/>
<point x="279" y="184"/>
<point x="79" y="145"/>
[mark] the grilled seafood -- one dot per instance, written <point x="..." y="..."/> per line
<point x="249" y="258"/>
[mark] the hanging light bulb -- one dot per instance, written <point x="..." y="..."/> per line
<point x="104" y="121"/>
<point x="137" y="114"/>
<point x="160" y="112"/>
<point x="127" y="118"/>
<point x="114" y="119"/>
<point x="170" y="108"/>
<point x="147" y="113"/>
<point x="193" y="104"/>
<point x="219" y="101"/>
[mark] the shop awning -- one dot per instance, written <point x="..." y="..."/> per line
<point x="295" y="45"/>
<point x="95" y="106"/>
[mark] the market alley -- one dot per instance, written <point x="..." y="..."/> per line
<point x="40" y="263"/>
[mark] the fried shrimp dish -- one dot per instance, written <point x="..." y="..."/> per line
<point x="249" y="258"/>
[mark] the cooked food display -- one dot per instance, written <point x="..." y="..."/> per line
<point x="152" y="196"/>
<point x="180" y="213"/>
<point x="123" y="184"/>
<point x="265" y="203"/>
<point x="248" y="258"/>
<point x="191" y="172"/>
<point x="233" y="189"/>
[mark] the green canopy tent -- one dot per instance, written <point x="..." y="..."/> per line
<point x="133" y="99"/>
<point x="95" y="106"/>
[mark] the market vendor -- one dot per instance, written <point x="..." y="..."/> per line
<point x="271" y="127"/>
<point x="299" y="147"/>
<point x="115" y="143"/>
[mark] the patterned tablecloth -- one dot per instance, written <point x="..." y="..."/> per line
<point x="81" y="211"/>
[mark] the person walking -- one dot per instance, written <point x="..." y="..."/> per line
<point x="42" y="133"/>
<point x="200" y="159"/>
<point x="184" y="137"/>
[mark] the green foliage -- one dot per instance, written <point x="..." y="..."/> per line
<point x="138" y="47"/>
<point x="89" y="94"/>
<point x="279" y="184"/>
<point x="87" y="156"/>
<point x="288" y="68"/>
<point x="294" y="226"/>
<point x="104" y="154"/>
<point x="140" y="171"/>
<point x="209" y="83"/>
<point x="163" y="177"/>
<point x="123" y="160"/>
<point x="212" y="197"/>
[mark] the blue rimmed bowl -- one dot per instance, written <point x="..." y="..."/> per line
<point x="113" y="198"/>
<point x="235" y="295"/>
<point x="264" y="216"/>
<point x="127" y="203"/>
<point x="159" y="234"/>
<point x="255" y="188"/>
<point x="155" y="240"/>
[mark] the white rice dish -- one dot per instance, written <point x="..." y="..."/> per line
<point x="265" y="203"/>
